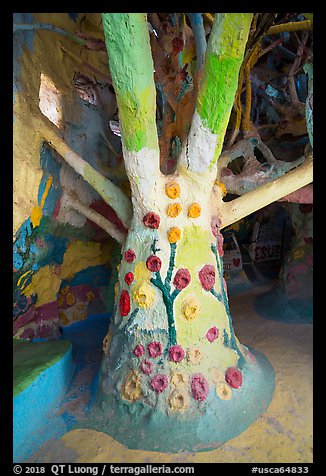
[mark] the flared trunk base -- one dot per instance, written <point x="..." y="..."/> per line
<point x="140" y="427"/>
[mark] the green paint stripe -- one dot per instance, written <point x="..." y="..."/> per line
<point x="131" y="67"/>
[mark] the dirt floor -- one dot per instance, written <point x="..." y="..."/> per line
<point x="282" y="435"/>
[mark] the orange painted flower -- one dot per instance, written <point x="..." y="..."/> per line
<point x="173" y="209"/>
<point x="174" y="234"/>
<point x="194" y="210"/>
<point x="172" y="189"/>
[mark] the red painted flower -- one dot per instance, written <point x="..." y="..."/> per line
<point x="176" y="353"/>
<point x="130" y="255"/>
<point x="199" y="387"/>
<point x="124" y="303"/>
<point x="153" y="263"/>
<point x="159" y="383"/>
<point x="129" y="278"/>
<point x="207" y="277"/>
<point x="181" y="279"/>
<point x="151" y="220"/>
<point x="139" y="350"/>
<point x="233" y="377"/>
<point x="146" y="367"/>
<point x="154" y="349"/>
<point x="212" y="334"/>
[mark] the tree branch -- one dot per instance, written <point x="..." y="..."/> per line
<point x="266" y="194"/>
<point x="197" y="25"/>
<point x="291" y="26"/>
<point x="110" y="193"/>
<point x="95" y="217"/>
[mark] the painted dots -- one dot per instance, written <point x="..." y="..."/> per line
<point x="176" y="353"/>
<point x="132" y="387"/>
<point x="181" y="279"/>
<point x="139" y="350"/>
<point x="194" y="210"/>
<point x="151" y="220"/>
<point x="173" y="209"/>
<point x="144" y="296"/>
<point x="178" y="400"/>
<point x="172" y="189"/>
<point x="174" y="234"/>
<point x="129" y="277"/>
<point x="153" y="263"/>
<point x="159" y="383"/>
<point x="223" y="391"/>
<point x="212" y="334"/>
<point x="194" y="356"/>
<point x="233" y="377"/>
<point x="124" y="303"/>
<point x="154" y="349"/>
<point x="130" y="255"/>
<point x="199" y="387"/>
<point x="146" y="367"/>
<point x="190" y="308"/>
<point x="207" y="277"/>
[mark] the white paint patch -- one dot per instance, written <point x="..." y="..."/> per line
<point x="198" y="151"/>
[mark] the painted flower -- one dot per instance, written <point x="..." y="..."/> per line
<point x="139" y="350"/>
<point x="124" y="303"/>
<point x="207" y="277"/>
<point x="129" y="277"/>
<point x="151" y="220"/>
<point x="154" y="349"/>
<point x="178" y="400"/>
<point x="146" y="367"/>
<point x="181" y="279"/>
<point x="159" y="383"/>
<point x="194" y="356"/>
<point x="130" y="255"/>
<point x="131" y="389"/>
<point x="178" y="379"/>
<point x="223" y="391"/>
<point x="172" y="189"/>
<point x="199" y="387"/>
<point x="173" y="210"/>
<point x="190" y="308"/>
<point x="212" y="334"/>
<point x="174" y="234"/>
<point x="194" y="210"/>
<point x="144" y="296"/>
<point x="153" y="263"/>
<point x="176" y="353"/>
<point x="233" y="377"/>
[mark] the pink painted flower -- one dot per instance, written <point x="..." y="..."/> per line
<point x="207" y="277"/>
<point x="139" y="350"/>
<point x="233" y="377"/>
<point x="154" y="349"/>
<point x="199" y="387"/>
<point x="159" y="383"/>
<point x="176" y="353"/>
<point x="151" y="220"/>
<point x="146" y="367"/>
<point x="130" y="255"/>
<point x="129" y="277"/>
<point x="212" y="334"/>
<point x="153" y="263"/>
<point x="124" y="303"/>
<point x="181" y="279"/>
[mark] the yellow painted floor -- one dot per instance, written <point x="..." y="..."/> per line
<point x="282" y="435"/>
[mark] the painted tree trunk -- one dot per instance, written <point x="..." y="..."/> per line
<point x="174" y="377"/>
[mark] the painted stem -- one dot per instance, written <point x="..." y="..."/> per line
<point x="197" y="25"/>
<point x="110" y="193"/>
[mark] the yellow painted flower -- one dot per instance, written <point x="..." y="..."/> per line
<point x="173" y="209"/>
<point x="70" y="299"/>
<point x="90" y="296"/>
<point x="194" y="356"/>
<point x="174" y="234"/>
<point x="224" y="391"/>
<point x="131" y="389"/>
<point x="172" y="189"/>
<point x="60" y="300"/>
<point x="63" y="318"/>
<point x="194" y="210"/>
<point x="144" y="295"/>
<point x="178" y="379"/>
<point x="178" y="400"/>
<point x="298" y="253"/>
<point x="190" y="308"/>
